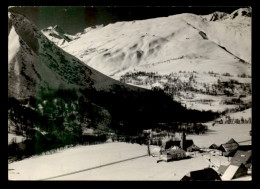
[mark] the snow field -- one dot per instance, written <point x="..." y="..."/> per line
<point x="142" y="168"/>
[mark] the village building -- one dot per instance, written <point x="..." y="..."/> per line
<point x="173" y="154"/>
<point x="241" y="162"/>
<point x="193" y="148"/>
<point x="234" y="170"/>
<point x="179" y="143"/>
<point x="189" y="144"/>
<point x="213" y="146"/>
<point x="169" y="144"/>
<point x="207" y="174"/>
<point x="173" y="149"/>
<point x="229" y="148"/>
<point x="244" y="157"/>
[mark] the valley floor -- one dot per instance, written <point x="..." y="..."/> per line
<point x="122" y="161"/>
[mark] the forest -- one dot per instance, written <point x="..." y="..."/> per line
<point x="57" y="118"/>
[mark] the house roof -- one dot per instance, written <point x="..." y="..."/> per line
<point x="194" y="147"/>
<point x="222" y="169"/>
<point x="231" y="141"/>
<point x="186" y="178"/>
<point x="170" y="143"/>
<point x="188" y="143"/>
<point x="213" y="146"/>
<point x="175" y="151"/>
<point x="241" y="157"/>
<point x="229" y="146"/>
<point x="230" y="172"/>
<point x="175" y="147"/>
<point x="203" y="175"/>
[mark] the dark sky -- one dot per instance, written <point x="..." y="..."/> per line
<point x="74" y="19"/>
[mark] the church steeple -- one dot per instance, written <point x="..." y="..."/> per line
<point x="183" y="140"/>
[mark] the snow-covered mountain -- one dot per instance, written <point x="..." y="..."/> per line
<point x="61" y="38"/>
<point x="180" y="41"/>
<point x="35" y="62"/>
<point x="211" y="48"/>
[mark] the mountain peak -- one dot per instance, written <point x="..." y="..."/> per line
<point x="218" y="16"/>
<point x="57" y="35"/>
<point x="55" y="28"/>
<point x="242" y="12"/>
<point x="215" y="16"/>
<point x="58" y="29"/>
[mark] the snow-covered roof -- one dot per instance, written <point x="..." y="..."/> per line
<point x="175" y="151"/>
<point x="222" y="169"/>
<point x="213" y="146"/>
<point x="229" y="146"/>
<point x="241" y="157"/>
<point x="230" y="172"/>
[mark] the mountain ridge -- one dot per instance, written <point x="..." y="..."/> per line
<point x="91" y="50"/>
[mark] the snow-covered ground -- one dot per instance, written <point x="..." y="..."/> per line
<point x="245" y="178"/>
<point x="245" y="114"/>
<point x="86" y="157"/>
<point x="221" y="133"/>
<point x="81" y="162"/>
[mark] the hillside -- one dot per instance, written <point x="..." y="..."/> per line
<point x="33" y="58"/>
<point x="208" y="55"/>
<point x="123" y="45"/>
